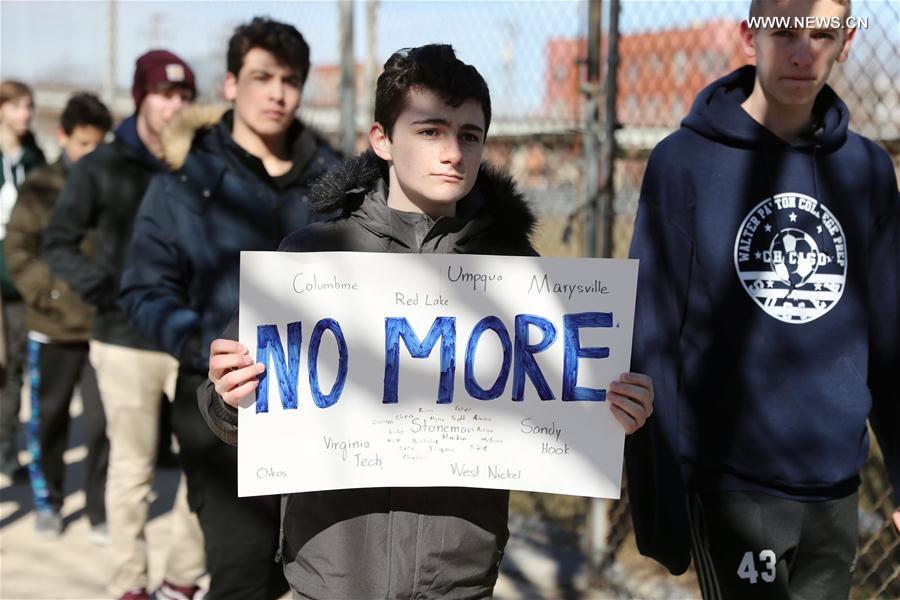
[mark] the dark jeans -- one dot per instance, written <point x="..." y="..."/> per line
<point x="54" y="370"/>
<point x="755" y="546"/>
<point x="11" y="377"/>
<point x="240" y="534"/>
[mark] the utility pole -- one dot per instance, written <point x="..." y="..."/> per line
<point x="608" y="148"/>
<point x="591" y="92"/>
<point x="598" y="522"/>
<point x="371" y="64"/>
<point x="109" y="76"/>
<point x="348" y="79"/>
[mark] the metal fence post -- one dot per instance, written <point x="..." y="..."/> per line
<point x="591" y="91"/>
<point x="371" y="61"/>
<point x="608" y="147"/>
<point x="348" y="79"/>
<point x="109" y="75"/>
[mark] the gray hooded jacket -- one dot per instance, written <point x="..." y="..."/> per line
<point x="394" y="542"/>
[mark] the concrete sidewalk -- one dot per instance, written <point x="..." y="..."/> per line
<point x="68" y="567"/>
<point x="71" y="568"/>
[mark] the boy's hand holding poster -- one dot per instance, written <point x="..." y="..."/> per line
<point x="433" y="370"/>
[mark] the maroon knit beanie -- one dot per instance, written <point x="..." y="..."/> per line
<point x="156" y="67"/>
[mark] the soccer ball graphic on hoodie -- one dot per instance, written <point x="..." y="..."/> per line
<point x="791" y="257"/>
<point x="794" y="256"/>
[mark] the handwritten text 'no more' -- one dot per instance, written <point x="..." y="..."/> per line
<point x="518" y="357"/>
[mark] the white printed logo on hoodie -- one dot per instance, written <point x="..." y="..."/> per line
<point x="791" y="257"/>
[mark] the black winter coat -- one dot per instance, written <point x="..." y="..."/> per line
<point x="102" y="193"/>
<point x="181" y="275"/>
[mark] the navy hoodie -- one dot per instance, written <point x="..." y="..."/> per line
<point x="102" y="193"/>
<point x="768" y="312"/>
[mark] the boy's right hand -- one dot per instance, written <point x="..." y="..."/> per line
<point x="232" y="371"/>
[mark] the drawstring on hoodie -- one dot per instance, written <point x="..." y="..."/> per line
<point x="820" y="237"/>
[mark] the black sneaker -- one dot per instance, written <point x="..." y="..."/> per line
<point x="12" y="469"/>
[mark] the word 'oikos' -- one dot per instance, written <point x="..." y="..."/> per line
<point x="518" y="357"/>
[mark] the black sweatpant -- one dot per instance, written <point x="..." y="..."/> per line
<point x="11" y="375"/>
<point x="240" y="534"/>
<point x="53" y="372"/>
<point x="755" y="546"/>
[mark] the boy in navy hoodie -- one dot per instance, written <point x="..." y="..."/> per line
<point x="767" y="316"/>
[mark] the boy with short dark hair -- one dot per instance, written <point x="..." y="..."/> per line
<point x="422" y="188"/>
<point x="768" y="315"/>
<point x="241" y="181"/>
<point x="59" y="325"/>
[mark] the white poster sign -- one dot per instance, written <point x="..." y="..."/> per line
<point x="433" y="370"/>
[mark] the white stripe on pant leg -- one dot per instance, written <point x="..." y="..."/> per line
<point x="703" y="543"/>
<point x="702" y="536"/>
<point x="699" y="564"/>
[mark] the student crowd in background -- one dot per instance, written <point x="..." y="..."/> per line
<point x="66" y="233"/>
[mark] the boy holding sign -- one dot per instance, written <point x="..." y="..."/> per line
<point x="422" y="188"/>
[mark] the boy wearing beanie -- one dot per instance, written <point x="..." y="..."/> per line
<point x="103" y="193"/>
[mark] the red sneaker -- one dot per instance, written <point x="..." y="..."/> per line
<point x="169" y="591"/>
<point x="135" y="594"/>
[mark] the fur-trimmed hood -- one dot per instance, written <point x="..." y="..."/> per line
<point x="198" y="145"/>
<point x="178" y="136"/>
<point x="493" y="204"/>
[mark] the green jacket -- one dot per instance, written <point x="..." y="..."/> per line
<point x="52" y="308"/>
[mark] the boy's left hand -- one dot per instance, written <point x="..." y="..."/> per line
<point x="631" y="400"/>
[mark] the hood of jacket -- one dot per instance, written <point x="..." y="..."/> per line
<point x="203" y="131"/>
<point x="179" y="134"/>
<point x="717" y="114"/>
<point x="126" y="135"/>
<point x="494" y="210"/>
<point x="32" y="155"/>
<point x="30" y="158"/>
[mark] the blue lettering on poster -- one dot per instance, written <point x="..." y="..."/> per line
<point x="494" y="324"/>
<point x="573" y="351"/>
<point x="315" y="340"/>
<point x="524" y="356"/>
<point x="268" y="342"/>
<point x="397" y="327"/>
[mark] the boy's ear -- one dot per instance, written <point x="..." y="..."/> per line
<point x="845" y="49"/>
<point x="379" y="141"/>
<point x="747" y="36"/>
<point x="62" y="139"/>
<point x="229" y="89"/>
